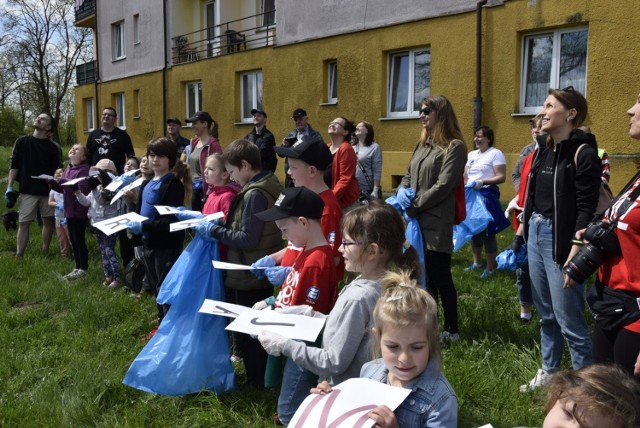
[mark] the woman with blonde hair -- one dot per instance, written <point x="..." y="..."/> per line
<point x="435" y="170"/>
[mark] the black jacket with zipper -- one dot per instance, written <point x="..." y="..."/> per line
<point x="576" y="189"/>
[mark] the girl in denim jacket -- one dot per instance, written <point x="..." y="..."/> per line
<point x="406" y="329"/>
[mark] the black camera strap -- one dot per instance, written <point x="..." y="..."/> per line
<point x="622" y="208"/>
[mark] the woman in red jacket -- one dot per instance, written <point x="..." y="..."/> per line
<point x="343" y="180"/>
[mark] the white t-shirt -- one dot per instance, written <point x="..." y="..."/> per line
<point x="480" y="165"/>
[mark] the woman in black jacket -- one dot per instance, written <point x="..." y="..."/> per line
<point x="562" y="194"/>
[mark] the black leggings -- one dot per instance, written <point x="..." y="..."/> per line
<point x="620" y="346"/>
<point x="77" y="230"/>
<point x="440" y="283"/>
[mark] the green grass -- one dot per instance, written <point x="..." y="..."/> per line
<point x="66" y="347"/>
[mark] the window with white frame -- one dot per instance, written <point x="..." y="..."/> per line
<point x="409" y="81"/>
<point x="193" y="97"/>
<point x="250" y="94"/>
<point x="120" y="110"/>
<point x="117" y="41"/>
<point x="332" y="82"/>
<point x="268" y="10"/>
<point x="552" y="59"/>
<point x="89" y="114"/>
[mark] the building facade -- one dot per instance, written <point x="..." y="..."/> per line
<point x="364" y="60"/>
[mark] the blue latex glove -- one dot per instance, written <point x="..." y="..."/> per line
<point x="188" y="215"/>
<point x="404" y="196"/>
<point x="276" y="275"/>
<point x="266" y="261"/>
<point x="476" y="185"/>
<point x="127" y="179"/>
<point x="6" y="195"/>
<point x="135" y="227"/>
<point x="204" y="228"/>
<point x="59" y="206"/>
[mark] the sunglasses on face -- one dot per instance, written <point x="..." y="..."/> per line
<point x="425" y="111"/>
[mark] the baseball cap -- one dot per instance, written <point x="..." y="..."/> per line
<point x="294" y="202"/>
<point x="255" y="110"/>
<point x="106" y="164"/>
<point x="298" y="113"/>
<point x="174" y="120"/>
<point x="310" y="149"/>
<point x="202" y="116"/>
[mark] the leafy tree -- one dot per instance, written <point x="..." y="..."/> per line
<point x="11" y="126"/>
<point x="43" y="49"/>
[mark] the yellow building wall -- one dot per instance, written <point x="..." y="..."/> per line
<point x="295" y="76"/>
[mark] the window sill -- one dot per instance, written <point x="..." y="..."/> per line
<point x="136" y="117"/>
<point x="136" y="43"/>
<point x="264" y="28"/>
<point x="383" y="119"/>
<point x="331" y="103"/>
<point x="119" y="59"/>
<point x="243" y="123"/>
<point x="523" y="114"/>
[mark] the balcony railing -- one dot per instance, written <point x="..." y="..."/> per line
<point x="87" y="9"/>
<point x="229" y="37"/>
<point x="87" y="73"/>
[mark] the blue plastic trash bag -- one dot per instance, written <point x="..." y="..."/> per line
<point x="478" y="217"/>
<point x="190" y="351"/>
<point x="510" y="261"/>
<point x="491" y="197"/>
<point x="413" y="234"/>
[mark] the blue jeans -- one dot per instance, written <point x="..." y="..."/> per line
<point x="561" y="310"/>
<point x="523" y="283"/>
<point x="296" y="383"/>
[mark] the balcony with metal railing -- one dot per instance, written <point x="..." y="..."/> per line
<point x="87" y="73"/>
<point x="227" y="38"/>
<point x="86" y="14"/>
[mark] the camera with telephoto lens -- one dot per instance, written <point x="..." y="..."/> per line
<point x="602" y="243"/>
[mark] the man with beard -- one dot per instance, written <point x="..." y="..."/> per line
<point x="32" y="156"/>
<point x="109" y="141"/>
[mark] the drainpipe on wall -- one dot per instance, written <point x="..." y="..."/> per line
<point x="96" y="77"/>
<point x="477" y="100"/>
<point x="164" y="69"/>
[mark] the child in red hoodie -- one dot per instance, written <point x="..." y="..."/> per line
<point x="224" y="190"/>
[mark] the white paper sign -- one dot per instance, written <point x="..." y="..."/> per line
<point x="185" y="224"/>
<point x="74" y="181"/>
<point x="233" y="266"/>
<point x="290" y="326"/>
<point x="133" y="185"/>
<point x="166" y="210"/>
<point x="113" y="225"/>
<point x="348" y="404"/>
<point x="215" y="307"/>
<point x="43" y="177"/>
<point x="117" y="182"/>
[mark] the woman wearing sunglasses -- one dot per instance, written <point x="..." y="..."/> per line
<point x="434" y="171"/>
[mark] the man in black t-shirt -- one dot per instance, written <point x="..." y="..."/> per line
<point x="110" y="142"/>
<point x="32" y="156"/>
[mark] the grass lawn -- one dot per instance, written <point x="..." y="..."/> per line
<point x="66" y="347"/>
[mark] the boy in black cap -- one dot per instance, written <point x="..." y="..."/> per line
<point x="308" y="159"/>
<point x="311" y="281"/>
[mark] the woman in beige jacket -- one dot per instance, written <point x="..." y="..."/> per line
<point x="434" y="171"/>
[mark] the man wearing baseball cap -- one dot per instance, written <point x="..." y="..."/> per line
<point x="174" y="126"/>
<point x="301" y="120"/>
<point x="311" y="281"/>
<point x="264" y="139"/>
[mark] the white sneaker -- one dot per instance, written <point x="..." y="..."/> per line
<point x="540" y="379"/>
<point x="78" y="273"/>
<point x="70" y="274"/>
<point x="447" y="336"/>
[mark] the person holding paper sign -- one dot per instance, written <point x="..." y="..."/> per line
<point x="161" y="248"/>
<point x="75" y="213"/>
<point x="406" y="331"/>
<point x="247" y="239"/>
<point x="373" y="239"/>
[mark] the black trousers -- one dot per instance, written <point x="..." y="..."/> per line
<point x="77" y="235"/>
<point x="157" y="264"/>
<point x="620" y="346"/>
<point x="440" y="284"/>
<point x="253" y="355"/>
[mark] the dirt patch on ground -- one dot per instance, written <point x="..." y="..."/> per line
<point x="26" y="305"/>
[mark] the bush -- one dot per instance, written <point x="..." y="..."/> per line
<point x="11" y="126"/>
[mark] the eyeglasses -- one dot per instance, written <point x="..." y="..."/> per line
<point x="345" y="244"/>
<point x="336" y="124"/>
<point x="425" y="111"/>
